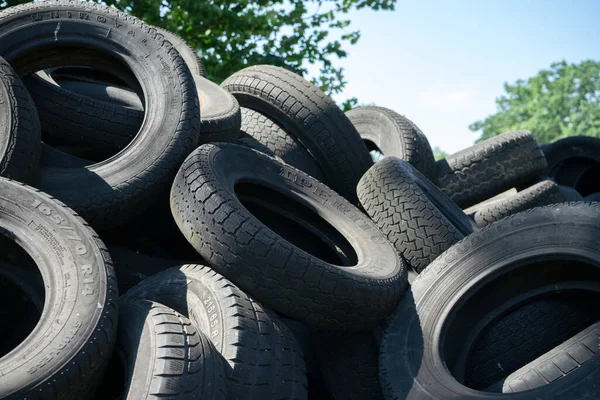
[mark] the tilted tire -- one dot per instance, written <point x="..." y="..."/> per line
<point x="393" y="135"/>
<point x="523" y="252"/>
<point x="575" y="162"/>
<point x="189" y="55"/>
<point x="263" y="360"/>
<point x="263" y="134"/>
<point x="310" y="116"/>
<point x="479" y="172"/>
<point x="542" y="193"/>
<point x="554" y="365"/>
<point x="418" y="219"/>
<point x="80" y="118"/>
<point x="107" y="193"/>
<point x="165" y="356"/>
<point x="286" y="238"/>
<point x="19" y="128"/>
<point x="66" y="359"/>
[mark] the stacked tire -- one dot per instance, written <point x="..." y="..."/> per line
<point x="164" y="236"/>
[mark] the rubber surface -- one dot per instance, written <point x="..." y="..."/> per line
<point x="20" y="133"/>
<point x="166" y="356"/>
<point x="66" y="359"/>
<point x="286" y="238"/>
<point x="418" y="229"/>
<point x="107" y="193"/>
<point x="394" y="136"/>
<point x="310" y="116"/>
<point x="263" y="360"/>
<point x="263" y="134"/>
<point x="542" y="193"/>
<point x="479" y="172"/>
<point x="484" y="270"/>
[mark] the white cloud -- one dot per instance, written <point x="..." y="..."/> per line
<point x="448" y="100"/>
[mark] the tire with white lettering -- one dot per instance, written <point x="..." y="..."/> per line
<point x="63" y="33"/>
<point x="263" y="360"/>
<point x="64" y="357"/>
<point x="284" y="237"/>
<point x="19" y="128"/>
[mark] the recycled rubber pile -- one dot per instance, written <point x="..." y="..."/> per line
<point x="166" y="237"/>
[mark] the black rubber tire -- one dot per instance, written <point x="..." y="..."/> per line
<point x="523" y="252"/>
<point x="221" y="116"/>
<point x="311" y="117"/>
<point x="534" y="324"/>
<point x="132" y="267"/>
<point x="593" y="197"/>
<point x="77" y="118"/>
<point x="556" y="364"/>
<point x="513" y="159"/>
<point x="542" y="193"/>
<point x="395" y="136"/>
<point x="569" y="194"/>
<point x="54" y="158"/>
<point x="575" y="162"/>
<point x="420" y="224"/>
<point x="263" y="134"/>
<point x="64" y="360"/>
<point x="266" y="260"/>
<point x="166" y="356"/>
<point x="108" y="193"/>
<point x="189" y="55"/>
<point x="349" y="365"/>
<point x="19" y="128"/>
<point x="263" y="358"/>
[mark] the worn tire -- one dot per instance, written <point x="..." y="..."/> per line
<point x="186" y="51"/>
<point x="421" y="224"/>
<point x="310" y="116"/>
<point x="349" y="365"/>
<point x="263" y="360"/>
<point x="575" y="162"/>
<point x="63" y="360"/>
<point x="108" y="193"/>
<point x="278" y="262"/>
<point x="520" y="253"/>
<point x="542" y="193"/>
<point x="166" y="356"/>
<point x="479" y="172"/>
<point x="393" y="135"/>
<point x="20" y="134"/>
<point x="263" y="134"/>
<point x="79" y="118"/>
<point x="555" y="364"/>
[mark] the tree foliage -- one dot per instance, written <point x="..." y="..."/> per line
<point x="231" y="35"/>
<point x="559" y="102"/>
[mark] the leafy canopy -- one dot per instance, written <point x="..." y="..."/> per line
<point x="559" y="102"/>
<point x="231" y="35"/>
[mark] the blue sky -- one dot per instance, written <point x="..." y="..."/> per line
<point x="443" y="63"/>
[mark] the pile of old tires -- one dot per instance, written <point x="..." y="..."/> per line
<point x="165" y="237"/>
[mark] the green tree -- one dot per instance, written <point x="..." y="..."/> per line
<point x="231" y="35"/>
<point x="559" y="102"/>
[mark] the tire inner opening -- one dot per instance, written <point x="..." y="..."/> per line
<point x="520" y="334"/>
<point x="588" y="182"/>
<point x="92" y="83"/>
<point x="296" y="223"/>
<point x="22" y="295"/>
<point x="376" y="153"/>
